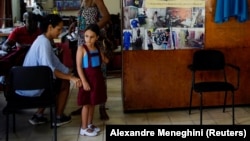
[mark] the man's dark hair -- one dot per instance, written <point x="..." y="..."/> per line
<point x="32" y="22"/>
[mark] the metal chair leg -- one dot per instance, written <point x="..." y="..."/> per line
<point x="7" y="127"/>
<point x="233" y="107"/>
<point x="201" y="108"/>
<point x="55" y="127"/>
<point x="190" y="101"/>
<point x="225" y="101"/>
<point x="14" y="122"/>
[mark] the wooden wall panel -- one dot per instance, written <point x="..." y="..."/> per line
<point x="160" y="79"/>
<point x="230" y="34"/>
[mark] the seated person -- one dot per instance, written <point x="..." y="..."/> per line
<point x="22" y="37"/>
<point x="25" y="35"/>
<point x="41" y="53"/>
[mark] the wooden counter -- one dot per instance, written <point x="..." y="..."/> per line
<point x="161" y="80"/>
<point x="4" y="33"/>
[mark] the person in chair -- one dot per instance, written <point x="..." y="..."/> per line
<point x="25" y="35"/>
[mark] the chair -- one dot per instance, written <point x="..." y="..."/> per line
<point x="213" y="61"/>
<point x="29" y="78"/>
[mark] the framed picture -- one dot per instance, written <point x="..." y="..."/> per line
<point x="67" y="4"/>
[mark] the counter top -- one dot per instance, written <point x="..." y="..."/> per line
<point x="5" y="31"/>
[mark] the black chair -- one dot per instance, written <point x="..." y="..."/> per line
<point x="30" y="78"/>
<point x="213" y="61"/>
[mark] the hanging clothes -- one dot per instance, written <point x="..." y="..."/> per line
<point x="231" y="8"/>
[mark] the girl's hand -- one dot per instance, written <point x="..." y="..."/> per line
<point x="86" y="86"/>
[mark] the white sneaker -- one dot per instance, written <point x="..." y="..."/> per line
<point x="88" y="132"/>
<point x="93" y="127"/>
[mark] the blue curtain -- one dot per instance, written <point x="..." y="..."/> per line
<point x="231" y="8"/>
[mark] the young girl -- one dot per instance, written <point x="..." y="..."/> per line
<point x="93" y="92"/>
<point x="92" y="12"/>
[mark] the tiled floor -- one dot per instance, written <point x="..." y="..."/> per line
<point x="70" y="132"/>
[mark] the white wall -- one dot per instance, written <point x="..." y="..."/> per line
<point x="114" y="6"/>
<point x="16" y="10"/>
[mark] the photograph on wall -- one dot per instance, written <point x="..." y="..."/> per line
<point x="138" y="41"/>
<point x="165" y="25"/>
<point x="134" y="39"/>
<point x="158" y="39"/>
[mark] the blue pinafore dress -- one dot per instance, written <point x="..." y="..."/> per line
<point x="95" y="78"/>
